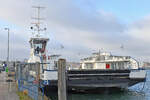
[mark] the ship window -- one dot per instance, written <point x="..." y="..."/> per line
<point x="37" y="48"/>
<point x="89" y="66"/>
<point x="37" y="45"/>
<point x="113" y="65"/>
<point x="117" y="65"/>
<point x="121" y="65"/>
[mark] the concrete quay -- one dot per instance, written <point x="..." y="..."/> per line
<point x="7" y="89"/>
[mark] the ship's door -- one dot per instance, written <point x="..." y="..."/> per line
<point x="107" y="66"/>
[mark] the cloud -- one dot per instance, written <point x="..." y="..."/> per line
<point x="139" y="33"/>
<point x="140" y="29"/>
<point x="76" y="25"/>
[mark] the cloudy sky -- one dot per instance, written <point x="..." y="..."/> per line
<point x="81" y="26"/>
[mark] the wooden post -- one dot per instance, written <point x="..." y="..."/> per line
<point x="38" y="78"/>
<point x="62" y="93"/>
<point x="38" y="72"/>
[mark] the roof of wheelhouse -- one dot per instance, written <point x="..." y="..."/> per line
<point x="38" y="39"/>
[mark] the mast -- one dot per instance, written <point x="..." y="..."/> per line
<point x="37" y="22"/>
<point x="38" y="43"/>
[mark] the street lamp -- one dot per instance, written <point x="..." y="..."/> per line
<point x="7" y="47"/>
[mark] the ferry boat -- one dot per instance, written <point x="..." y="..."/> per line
<point x="104" y="70"/>
<point x="101" y="70"/>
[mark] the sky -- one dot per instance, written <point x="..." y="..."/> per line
<point x="81" y="26"/>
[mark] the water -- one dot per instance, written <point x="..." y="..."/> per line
<point x="139" y="91"/>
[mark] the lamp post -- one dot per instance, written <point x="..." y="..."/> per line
<point x="8" y="47"/>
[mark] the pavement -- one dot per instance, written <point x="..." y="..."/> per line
<point x="7" y="89"/>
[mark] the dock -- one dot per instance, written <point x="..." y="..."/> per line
<point x="7" y="89"/>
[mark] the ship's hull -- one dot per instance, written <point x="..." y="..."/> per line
<point x="87" y="80"/>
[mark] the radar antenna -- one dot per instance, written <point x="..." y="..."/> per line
<point x="36" y="28"/>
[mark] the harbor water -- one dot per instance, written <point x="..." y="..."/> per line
<point x="139" y="91"/>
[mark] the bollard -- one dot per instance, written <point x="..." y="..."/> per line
<point x="62" y="93"/>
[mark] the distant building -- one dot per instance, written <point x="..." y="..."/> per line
<point x="146" y="65"/>
<point x="73" y="65"/>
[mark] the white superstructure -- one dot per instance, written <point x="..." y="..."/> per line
<point x="38" y="54"/>
<point x="38" y="50"/>
<point x="105" y="60"/>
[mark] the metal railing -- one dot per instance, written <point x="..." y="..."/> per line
<point x="28" y="79"/>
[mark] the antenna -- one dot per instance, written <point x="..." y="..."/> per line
<point x="38" y="21"/>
